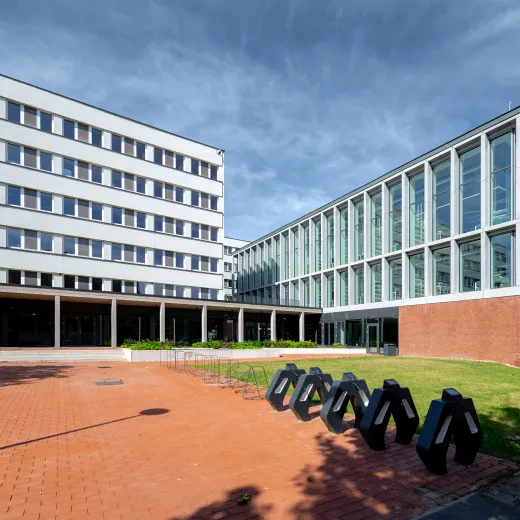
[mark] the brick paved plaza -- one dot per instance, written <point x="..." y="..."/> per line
<point x="71" y="449"/>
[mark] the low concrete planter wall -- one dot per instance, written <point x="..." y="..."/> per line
<point x="145" y="356"/>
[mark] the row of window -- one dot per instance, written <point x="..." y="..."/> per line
<point x="470" y="275"/>
<point x="33" y="158"/>
<point x="35" y="118"/>
<point x="86" y="283"/>
<point x="80" y="208"/>
<point x="501" y="182"/>
<point x="40" y="241"/>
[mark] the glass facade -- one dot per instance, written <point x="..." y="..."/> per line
<point x="376" y="231"/>
<point x="317" y="291"/>
<point x="296" y="253"/>
<point x="396" y="217"/>
<point x="285" y="256"/>
<point x="501" y="260"/>
<point x="417" y="210"/>
<point x="317" y="245"/>
<point x="441" y="271"/>
<point x="277" y="260"/>
<point x="330" y="290"/>
<point x="395" y="272"/>
<point x="376" y="283"/>
<point x="416" y="276"/>
<point x="359" y="285"/>
<point x="470" y="266"/>
<point x="469" y="164"/>
<point x="330" y="240"/>
<point x="441" y="200"/>
<point x="306" y="245"/>
<point x="343" y="288"/>
<point x="359" y="230"/>
<point x="306" y="294"/>
<point x="501" y="179"/>
<point x="343" y="236"/>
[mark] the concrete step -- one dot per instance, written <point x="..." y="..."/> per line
<point x="57" y="355"/>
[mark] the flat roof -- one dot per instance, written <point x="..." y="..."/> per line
<point x="111" y="113"/>
<point x="423" y="157"/>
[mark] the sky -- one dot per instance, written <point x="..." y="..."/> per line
<point x="309" y="98"/>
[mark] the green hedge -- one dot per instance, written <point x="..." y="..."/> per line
<point x="243" y="345"/>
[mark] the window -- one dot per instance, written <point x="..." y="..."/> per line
<point x="14" y="196"/>
<point x="213" y="203"/>
<point x="129" y="218"/>
<point x="69" y="206"/>
<point x="376" y="283"/>
<point x="359" y="285"/>
<point x="140" y="150"/>
<point x="13" y="154"/>
<point x="330" y="290"/>
<point x="116" y="143"/>
<point x="343" y="288"/>
<point x="168" y="158"/>
<point x="69" y="281"/>
<point x="376" y="236"/>
<point x="317" y="245"/>
<point x="30" y="198"/>
<point x="158" y="189"/>
<point x="45" y="201"/>
<point x="501" y="179"/>
<point x="15" y="277"/>
<point x="30" y="117"/>
<point x="417" y="210"/>
<point x="179" y="162"/>
<point x="168" y="192"/>
<point x="470" y="267"/>
<point x="14" y="237"/>
<point x="83" y="208"/>
<point x="69" y="246"/>
<point x="141" y="220"/>
<point x="195" y="263"/>
<point x="195" y="198"/>
<point x="213" y="265"/>
<point x="129" y="182"/>
<point x="83" y="171"/>
<point x="195" y="231"/>
<point x="227" y="267"/>
<point x="213" y="172"/>
<point x="97" y="175"/>
<point x="204" y="169"/>
<point x="330" y="240"/>
<point x="470" y="190"/>
<point x="179" y="194"/>
<point x="214" y="234"/>
<point x="97" y="284"/>
<point x="116" y="286"/>
<point x="30" y="157"/>
<point x="441" y="200"/>
<point x="129" y="146"/>
<point x="97" y="249"/>
<point x="31" y="278"/>
<point x="416" y="275"/>
<point x="83" y="133"/>
<point x="395" y="270"/>
<point x="68" y="167"/>
<point x="157" y="156"/>
<point x="83" y="247"/>
<point x="117" y="216"/>
<point x="359" y="231"/>
<point x="343" y="236"/>
<point x="195" y="292"/>
<point x="117" y="250"/>
<point x="46" y="279"/>
<point x="194" y="167"/>
<point x="158" y="223"/>
<point x="46" y="161"/>
<point x="441" y="271"/>
<point x="31" y="240"/>
<point x="117" y="179"/>
<point x="179" y="227"/>
<point x="68" y="129"/>
<point x="97" y="137"/>
<point x="501" y="260"/>
<point x="140" y="185"/>
<point x="45" y="242"/>
<point x="13" y="112"/>
<point x="158" y="257"/>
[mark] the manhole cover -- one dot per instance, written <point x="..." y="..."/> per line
<point x="104" y="383"/>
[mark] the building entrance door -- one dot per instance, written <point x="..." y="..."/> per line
<point x="372" y="338"/>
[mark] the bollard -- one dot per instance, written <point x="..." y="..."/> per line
<point x="389" y="400"/>
<point x="280" y="384"/>
<point x="450" y="415"/>
<point x="348" y="389"/>
<point x="307" y="384"/>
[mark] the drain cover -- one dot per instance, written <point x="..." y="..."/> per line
<point x="104" y="383"/>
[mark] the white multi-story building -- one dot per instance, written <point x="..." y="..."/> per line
<point x="436" y="237"/>
<point x="230" y="269"/>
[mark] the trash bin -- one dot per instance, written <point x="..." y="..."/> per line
<point x="390" y="349"/>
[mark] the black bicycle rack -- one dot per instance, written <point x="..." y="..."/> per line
<point x="280" y="384"/>
<point x="349" y="389"/>
<point x="451" y="415"/>
<point x="301" y="398"/>
<point x="389" y="400"/>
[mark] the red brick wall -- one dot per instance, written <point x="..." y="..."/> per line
<point x="484" y="329"/>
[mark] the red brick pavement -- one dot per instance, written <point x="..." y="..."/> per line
<point x="74" y="450"/>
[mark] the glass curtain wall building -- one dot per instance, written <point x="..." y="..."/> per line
<point x="440" y="228"/>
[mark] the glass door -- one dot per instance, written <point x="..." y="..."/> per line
<point x="372" y="338"/>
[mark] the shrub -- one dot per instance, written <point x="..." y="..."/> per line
<point x="146" y="345"/>
<point x="338" y="345"/>
<point x="207" y="344"/>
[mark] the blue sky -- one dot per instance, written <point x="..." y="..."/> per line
<point x="309" y="98"/>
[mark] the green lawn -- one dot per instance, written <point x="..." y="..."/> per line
<point x="495" y="389"/>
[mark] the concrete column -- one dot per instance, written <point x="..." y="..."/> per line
<point x="240" y="324"/>
<point x="162" y="322"/>
<point x="302" y="326"/>
<point x="57" y="321"/>
<point x="273" y="325"/>
<point x="113" y="324"/>
<point x="204" y="322"/>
